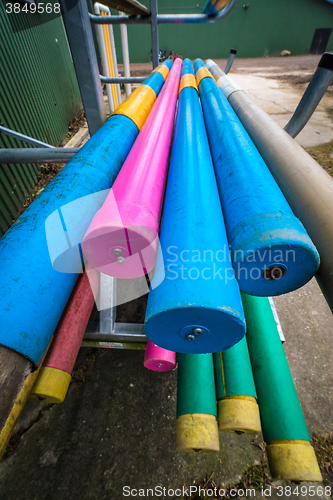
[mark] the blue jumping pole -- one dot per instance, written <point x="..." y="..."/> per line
<point x="194" y="304"/>
<point x="271" y="251"/>
<point x="40" y="254"/>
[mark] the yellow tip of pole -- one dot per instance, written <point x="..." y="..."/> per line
<point x="197" y="432"/>
<point x="51" y="385"/>
<point x="293" y="460"/>
<point x="239" y="414"/>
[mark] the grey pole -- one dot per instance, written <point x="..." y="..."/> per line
<point x="123" y="79"/>
<point x="322" y="78"/>
<point x="305" y="184"/>
<point x="230" y="60"/>
<point x="81" y="42"/>
<point x="37" y="155"/>
<point x="24" y="138"/>
<point x="154" y="32"/>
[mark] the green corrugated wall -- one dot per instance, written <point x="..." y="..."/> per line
<point x="265" y="28"/>
<point x="39" y="96"/>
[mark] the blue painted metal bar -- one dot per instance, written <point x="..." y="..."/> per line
<point x="194" y="304"/>
<point x="166" y="18"/>
<point x="271" y="251"/>
<point x="40" y="255"/>
<point x="24" y="138"/>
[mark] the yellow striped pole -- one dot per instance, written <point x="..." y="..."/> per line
<point x="109" y="57"/>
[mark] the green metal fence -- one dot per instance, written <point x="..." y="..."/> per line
<point x="256" y="28"/>
<point x="39" y="96"/>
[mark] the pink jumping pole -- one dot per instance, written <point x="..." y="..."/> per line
<point x="122" y="238"/>
<point x="55" y="375"/>
<point x="159" y="359"/>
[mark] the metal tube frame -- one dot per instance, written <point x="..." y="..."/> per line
<point x="230" y="61"/>
<point x="126" y="61"/>
<point x="154" y="32"/>
<point x="37" y="155"/>
<point x="166" y="18"/>
<point x="123" y="79"/>
<point x="82" y="46"/>
<point x="107" y="332"/>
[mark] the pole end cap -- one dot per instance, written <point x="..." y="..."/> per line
<point x="51" y="385"/>
<point x="197" y="432"/>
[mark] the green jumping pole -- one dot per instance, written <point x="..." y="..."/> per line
<point x="196" y="427"/>
<point x="289" y="451"/>
<point x="235" y="391"/>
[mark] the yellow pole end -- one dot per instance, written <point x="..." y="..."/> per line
<point x="239" y="415"/>
<point x="220" y="4"/>
<point x="293" y="460"/>
<point x="197" y="432"/>
<point x="51" y="385"/>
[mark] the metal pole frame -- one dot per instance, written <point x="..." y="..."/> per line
<point x="154" y="33"/>
<point x="322" y="78"/>
<point x="230" y="61"/>
<point x="107" y="332"/>
<point x="24" y="138"/>
<point x="166" y="18"/>
<point x="37" y="155"/>
<point x="81" y="42"/>
<point x="122" y="79"/>
<point x="126" y="60"/>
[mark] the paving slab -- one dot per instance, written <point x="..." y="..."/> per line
<point x="114" y="429"/>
